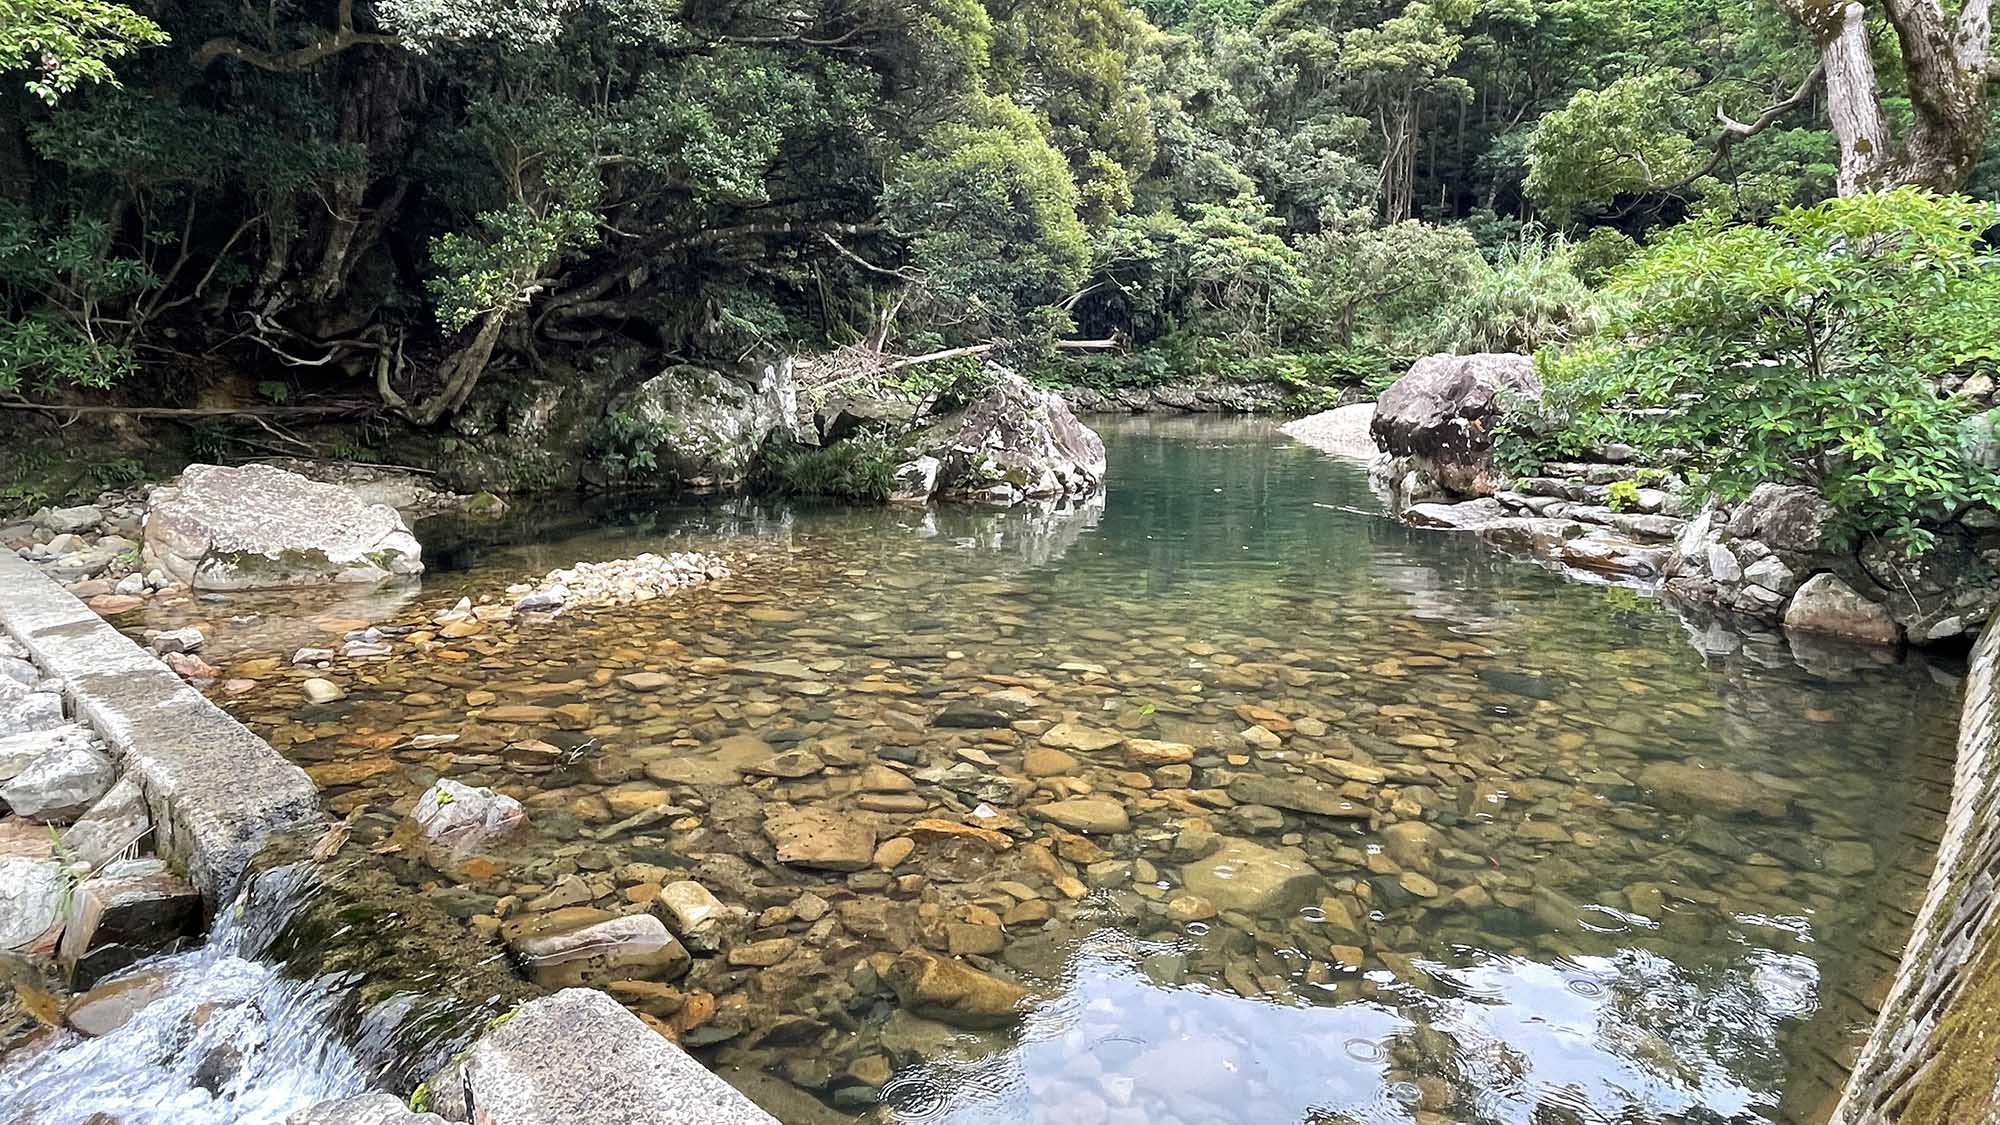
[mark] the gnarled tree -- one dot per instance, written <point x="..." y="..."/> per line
<point x="1947" y="64"/>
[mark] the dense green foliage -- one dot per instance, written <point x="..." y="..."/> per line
<point x="1808" y="348"/>
<point x="393" y="197"/>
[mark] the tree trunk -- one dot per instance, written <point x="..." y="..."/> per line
<point x="1945" y="63"/>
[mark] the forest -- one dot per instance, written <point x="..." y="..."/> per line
<point x="396" y="206"/>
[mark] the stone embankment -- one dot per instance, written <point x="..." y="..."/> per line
<point x="100" y="741"/>
<point x="1931" y="1056"/>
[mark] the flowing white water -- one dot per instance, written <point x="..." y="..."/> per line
<point x="228" y="1041"/>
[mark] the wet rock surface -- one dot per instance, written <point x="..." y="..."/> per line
<point x="1305" y="799"/>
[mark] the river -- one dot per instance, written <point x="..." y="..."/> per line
<point x="1442" y="837"/>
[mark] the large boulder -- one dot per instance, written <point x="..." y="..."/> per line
<point x="254" y="526"/>
<point x="1017" y="442"/>
<point x="1829" y="607"/>
<point x="1441" y="416"/>
<point x="705" y="427"/>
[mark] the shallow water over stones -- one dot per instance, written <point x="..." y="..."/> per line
<point x="1278" y="810"/>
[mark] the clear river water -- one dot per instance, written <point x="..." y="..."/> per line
<point x="1376" y="825"/>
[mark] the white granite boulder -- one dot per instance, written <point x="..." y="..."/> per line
<point x="255" y="526"/>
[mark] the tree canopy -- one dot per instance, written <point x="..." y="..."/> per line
<point x="404" y="197"/>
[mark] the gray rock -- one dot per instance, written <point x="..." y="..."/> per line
<point x="916" y="479"/>
<point x="60" y="785"/>
<point x="1787" y="517"/>
<point x="362" y="1109"/>
<point x="1250" y="877"/>
<point x="1829" y="607"/>
<point x="69" y="521"/>
<point x="1443" y="414"/>
<point x="1016" y="441"/>
<point x="116" y="821"/>
<point x="18" y="751"/>
<point x="1979" y="439"/>
<point x="579" y="1057"/>
<point x="1722" y="565"/>
<point x="29" y="711"/>
<point x="1773" y="575"/>
<point x="252" y="526"/>
<point x="710" y="425"/>
<point x="635" y="947"/>
<point x="464" y="819"/>
<point x="30" y="899"/>
<point x="18" y="670"/>
<point x="187" y="639"/>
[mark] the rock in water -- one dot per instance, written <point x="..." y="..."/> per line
<point x="819" y="838"/>
<point x="465" y="819"/>
<point x="1828" y="607"/>
<point x="1247" y="876"/>
<point x="635" y="947"/>
<point x="1017" y="442"/>
<point x="953" y="992"/>
<point x="1724" y="792"/>
<point x="710" y="426"/>
<point x="252" y="526"/>
<point x="1443" y="413"/>
<point x="1098" y="816"/>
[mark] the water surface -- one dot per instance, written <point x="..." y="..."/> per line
<point x="1585" y="931"/>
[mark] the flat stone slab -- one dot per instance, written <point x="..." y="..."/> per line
<point x="363" y="1109"/>
<point x="579" y="1056"/>
<point x="214" y="790"/>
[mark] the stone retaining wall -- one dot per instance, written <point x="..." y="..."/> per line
<point x="1932" y="1057"/>
<point x="214" y="789"/>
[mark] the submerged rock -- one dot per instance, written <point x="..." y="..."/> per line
<point x="635" y="947"/>
<point x="465" y="819"/>
<point x="821" y="838"/>
<point x="252" y="526"/>
<point x="952" y="992"/>
<point x="1249" y="877"/>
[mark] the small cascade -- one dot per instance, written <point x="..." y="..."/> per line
<point x="321" y="980"/>
<point x="218" y="1036"/>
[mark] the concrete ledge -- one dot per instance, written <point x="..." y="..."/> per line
<point x="1930" y="1057"/>
<point x="214" y="788"/>
<point x="578" y="1056"/>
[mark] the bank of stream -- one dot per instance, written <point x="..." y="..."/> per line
<point x="1278" y="809"/>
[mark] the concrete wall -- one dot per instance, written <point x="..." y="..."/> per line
<point x="1934" y="1055"/>
<point x="214" y="788"/>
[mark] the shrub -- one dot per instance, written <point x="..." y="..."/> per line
<point x="858" y="469"/>
<point x="1806" y="349"/>
<point x="1529" y="298"/>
